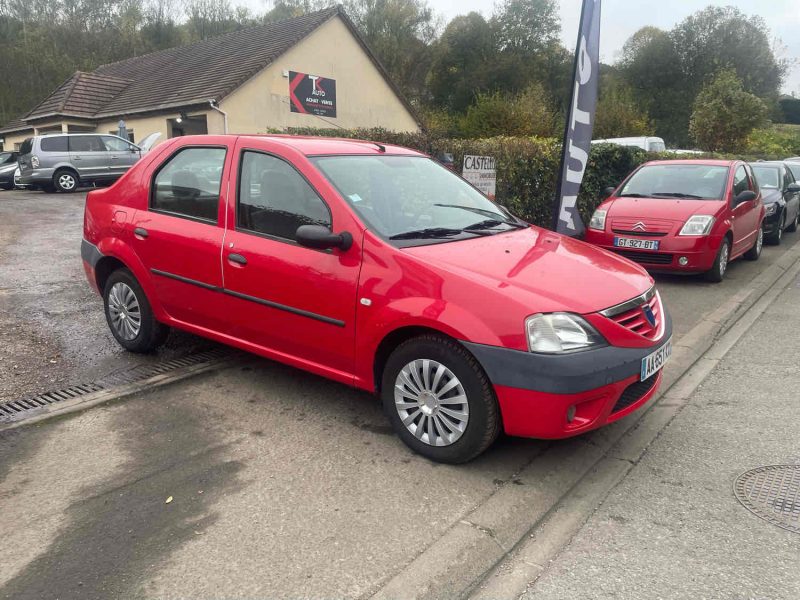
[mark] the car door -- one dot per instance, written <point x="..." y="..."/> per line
<point x="88" y="155"/>
<point x="299" y="303"/>
<point x="792" y="198"/>
<point x="179" y="235"/>
<point x="744" y="215"/>
<point x="122" y="155"/>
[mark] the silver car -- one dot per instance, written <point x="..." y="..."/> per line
<point x="63" y="162"/>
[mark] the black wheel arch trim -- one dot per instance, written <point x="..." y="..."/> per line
<point x="565" y="373"/>
<point x="90" y="253"/>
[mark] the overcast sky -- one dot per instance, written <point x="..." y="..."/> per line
<point x="622" y="18"/>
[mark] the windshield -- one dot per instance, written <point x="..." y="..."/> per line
<point x="767" y="177"/>
<point x="413" y="198"/>
<point x="695" y="182"/>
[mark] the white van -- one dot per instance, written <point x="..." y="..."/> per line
<point x="651" y="144"/>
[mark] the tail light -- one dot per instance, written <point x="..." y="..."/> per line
<point x="35" y="161"/>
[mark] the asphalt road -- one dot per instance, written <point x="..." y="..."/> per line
<point x="280" y="481"/>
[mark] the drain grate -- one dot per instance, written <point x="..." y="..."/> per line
<point x="17" y="410"/>
<point x="772" y="493"/>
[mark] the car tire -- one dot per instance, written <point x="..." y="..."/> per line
<point x="793" y="227"/>
<point x="6" y="186"/>
<point x="129" y="315"/>
<point x="777" y="236"/>
<point x="428" y="407"/>
<point x="48" y="189"/>
<point x="717" y="272"/>
<point x="65" y="181"/>
<point x="755" y="252"/>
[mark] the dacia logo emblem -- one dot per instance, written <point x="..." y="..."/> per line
<point x="648" y="314"/>
<point x="640" y="227"/>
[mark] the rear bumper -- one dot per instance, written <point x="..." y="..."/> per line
<point x="535" y="391"/>
<point x="36" y="177"/>
<point x="700" y="252"/>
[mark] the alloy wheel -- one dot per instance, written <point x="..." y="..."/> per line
<point x="123" y="308"/>
<point x="431" y="402"/>
<point x="759" y="241"/>
<point x="66" y="181"/>
<point x="723" y="259"/>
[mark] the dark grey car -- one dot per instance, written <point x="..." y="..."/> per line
<point x="781" y="193"/>
<point x="63" y="162"/>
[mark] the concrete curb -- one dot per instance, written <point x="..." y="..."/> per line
<point x="529" y="525"/>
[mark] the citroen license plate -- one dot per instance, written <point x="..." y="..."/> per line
<point x="653" y="363"/>
<point x="621" y="242"/>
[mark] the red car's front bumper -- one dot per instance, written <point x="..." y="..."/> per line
<point x="699" y="251"/>
<point x="539" y="415"/>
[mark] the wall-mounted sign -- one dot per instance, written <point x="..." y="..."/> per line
<point x="312" y="94"/>
<point x="480" y="172"/>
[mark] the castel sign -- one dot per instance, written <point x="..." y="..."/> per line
<point x="312" y="94"/>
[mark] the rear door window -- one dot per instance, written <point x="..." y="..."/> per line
<point x="56" y="143"/>
<point x="188" y="184"/>
<point x="86" y="143"/>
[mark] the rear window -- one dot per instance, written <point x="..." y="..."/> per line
<point x="26" y="146"/>
<point x="54" y="144"/>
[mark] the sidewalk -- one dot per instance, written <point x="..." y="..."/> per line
<point x="673" y="528"/>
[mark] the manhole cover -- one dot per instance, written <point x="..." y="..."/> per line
<point x="772" y="493"/>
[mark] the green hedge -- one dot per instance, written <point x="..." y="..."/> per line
<point x="526" y="167"/>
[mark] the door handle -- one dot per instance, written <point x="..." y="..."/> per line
<point x="140" y="232"/>
<point x="76" y="158"/>
<point x="115" y="158"/>
<point x="237" y="258"/>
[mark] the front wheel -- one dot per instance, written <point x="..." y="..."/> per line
<point x="129" y="315"/>
<point x="777" y="235"/>
<point x="439" y="400"/>
<point x="717" y="272"/>
<point x="755" y="252"/>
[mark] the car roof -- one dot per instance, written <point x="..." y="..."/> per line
<point x="768" y="163"/>
<point x="314" y="146"/>
<point x="711" y="162"/>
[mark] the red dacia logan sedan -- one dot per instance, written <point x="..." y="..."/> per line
<point x="377" y="267"/>
<point x="692" y="216"/>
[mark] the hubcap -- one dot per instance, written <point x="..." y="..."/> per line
<point x="123" y="308"/>
<point x="760" y="241"/>
<point x="723" y="259"/>
<point x="67" y="182"/>
<point x="431" y="402"/>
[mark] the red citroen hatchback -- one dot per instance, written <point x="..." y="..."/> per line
<point x="691" y="216"/>
<point x="377" y="267"/>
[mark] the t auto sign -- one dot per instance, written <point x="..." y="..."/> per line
<point x="312" y="94"/>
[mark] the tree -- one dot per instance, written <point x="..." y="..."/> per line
<point x="529" y="113"/>
<point x="527" y="27"/>
<point x="618" y="113"/>
<point x="725" y="114"/>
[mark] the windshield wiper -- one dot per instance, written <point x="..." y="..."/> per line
<point x="481" y="211"/>
<point x="633" y="196"/>
<point x="490" y="223"/>
<point x="676" y="195"/>
<point x="427" y="233"/>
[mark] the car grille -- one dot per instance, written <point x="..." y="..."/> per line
<point x="640" y="233"/>
<point x="647" y="258"/>
<point x="634" y="392"/>
<point x="634" y="318"/>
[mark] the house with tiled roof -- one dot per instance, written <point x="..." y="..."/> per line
<point x="309" y="71"/>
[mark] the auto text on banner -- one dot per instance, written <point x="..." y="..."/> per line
<point x="580" y="119"/>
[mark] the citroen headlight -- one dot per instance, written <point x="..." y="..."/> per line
<point x="555" y="333"/>
<point x="598" y="220"/>
<point x="771" y="208"/>
<point x="698" y="225"/>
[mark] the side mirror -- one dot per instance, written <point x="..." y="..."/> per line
<point x="745" y="196"/>
<point x="793" y="188"/>
<point x="322" y="238"/>
<point x="608" y="191"/>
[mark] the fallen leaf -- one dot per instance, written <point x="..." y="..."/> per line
<point x="168" y="500"/>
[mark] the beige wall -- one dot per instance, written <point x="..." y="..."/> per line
<point x="363" y="98"/>
<point x="12" y="139"/>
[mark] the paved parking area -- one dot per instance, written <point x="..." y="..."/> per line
<point x="279" y="480"/>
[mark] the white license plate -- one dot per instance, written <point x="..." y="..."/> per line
<point x="637" y="244"/>
<point x="653" y="363"/>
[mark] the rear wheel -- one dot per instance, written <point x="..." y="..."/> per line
<point x="129" y="315"/>
<point x="755" y="252"/>
<point x="717" y="272"/>
<point x="65" y="180"/>
<point x="439" y="400"/>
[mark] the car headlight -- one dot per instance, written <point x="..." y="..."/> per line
<point x="598" y="220"/>
<point x="555" y="333"/>
<point x="35" y="161"/>
<point x="771" y="208"/>
<point x="698" y="225"/>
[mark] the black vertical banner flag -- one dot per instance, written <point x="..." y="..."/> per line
<point x="580" y="119"/>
